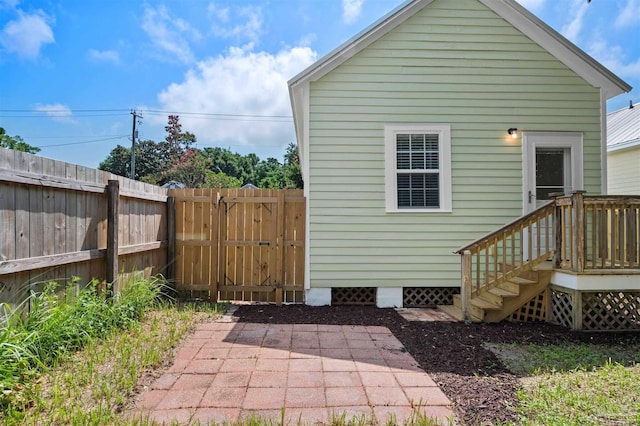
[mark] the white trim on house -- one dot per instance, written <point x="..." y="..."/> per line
<point x="557" y="45"/>
<point x="604" y="179"/>
<point x="533" y="140"/>
<point x="304" y="167"/>
<point x="624" y="146"/>
<point x="444" y="172"/>
<point x="548" y="38"/>
<point x="595" y="281"/>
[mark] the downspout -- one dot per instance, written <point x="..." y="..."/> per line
<point x="603" y="142"/>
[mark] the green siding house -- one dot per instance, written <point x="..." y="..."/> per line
<point x="441" y="122"/>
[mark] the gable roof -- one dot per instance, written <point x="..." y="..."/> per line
<point x="623" y="128"/>
<point x="530" y="25"/>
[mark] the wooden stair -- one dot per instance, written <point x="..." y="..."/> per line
<point x="497" y="303"/>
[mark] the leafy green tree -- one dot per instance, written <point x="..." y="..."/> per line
<point x="16" y="143"/>
<point x="269" y="174"/>
<point x="117" y="162"/>
<point x="292" y="169"/>
<point x="232" y="164"/>
<point x="150" y="161"/>
<point x="220" y="180"/>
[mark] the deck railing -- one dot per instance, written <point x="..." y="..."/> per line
<point x="599" y="232"/>
<point x="506" y="253"/>
<point x="579" y="232"/>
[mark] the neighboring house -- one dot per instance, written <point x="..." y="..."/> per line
<point x="403" y="139"/>
<point x="623" y="151"/>
<point x="173" y="184"/>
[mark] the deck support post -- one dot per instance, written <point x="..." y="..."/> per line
<point x="465" y="290"/>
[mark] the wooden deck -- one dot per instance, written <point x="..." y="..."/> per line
<point x="574" y="234"/>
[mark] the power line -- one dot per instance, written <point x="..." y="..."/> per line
<point x="83" y="142"/>
<point x="211" y="114"/>
<point x="94" y="113"/>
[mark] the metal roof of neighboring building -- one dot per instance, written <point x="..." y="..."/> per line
<point x="623" y="128"/>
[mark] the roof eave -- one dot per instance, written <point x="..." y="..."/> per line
<point x="560" y="47"/>
<point x="548" y="38"/>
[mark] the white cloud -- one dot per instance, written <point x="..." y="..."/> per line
<point x="249" y="26"/>
<point x="58" y="112"/>
<point x="574" y="27"/>
<point x="104" y="56"/>
<point x="630" y="15"/>
<point x="26" y="35"/>
<point x="217" y="12"/>
<point x="240" y="82"/>
<point x="170" y="35"/>
<point x="532" y="5"/>
<point x="615" y="59"/>
<point x="351" y="10"/>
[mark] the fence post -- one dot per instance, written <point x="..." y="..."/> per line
<point x="113" y="195"/>
<point x="465" y="293"/>
<point x="171" y="238"/>
<point x="579" y="237"/>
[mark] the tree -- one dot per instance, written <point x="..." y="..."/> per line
<point x="190" y="169"/>
<point x="117" y="162"/>
<point x="292" y="170"/>
<point x="269" y="174"/>
<point x="220" y="180"/>
<point x="177" y="142"/>
<point x="150" y="161"/>
<point x="16" y="143"/>
<point x="222" y="160"/>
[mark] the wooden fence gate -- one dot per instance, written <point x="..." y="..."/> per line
<point x="240" y="244"/>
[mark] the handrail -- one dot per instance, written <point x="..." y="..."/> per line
<point x="506" y="253"/>
<point x="600" y="232"/>
<point x="503" y="228"/>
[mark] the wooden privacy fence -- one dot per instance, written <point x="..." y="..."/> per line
<point x="60" y="220"/>
<point x="237" y="244"/>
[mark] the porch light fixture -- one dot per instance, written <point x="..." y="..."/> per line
<point x="513" y="132"/>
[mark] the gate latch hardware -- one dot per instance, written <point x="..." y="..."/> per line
<point x="264" y="243"/>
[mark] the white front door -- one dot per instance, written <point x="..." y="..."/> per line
<point x="552" y="163"/>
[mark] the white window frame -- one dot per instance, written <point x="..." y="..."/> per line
<point x="391" y="171"/>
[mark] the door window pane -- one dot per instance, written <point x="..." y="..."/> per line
<point x="550" y="172"/>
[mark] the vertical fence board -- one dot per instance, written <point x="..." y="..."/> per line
<point x="59" y="211"/>
<point x="254" y="244"/>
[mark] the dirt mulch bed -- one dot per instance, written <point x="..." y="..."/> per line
<point x="481" y="387"/>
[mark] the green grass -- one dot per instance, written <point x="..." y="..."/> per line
<point x="606" y="396"/>
<point x="81" y="360"/>
<point x="56" y="326"/>
<point x="576" y="384"/>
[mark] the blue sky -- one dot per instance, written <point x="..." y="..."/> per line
<point x="72" y="70"/>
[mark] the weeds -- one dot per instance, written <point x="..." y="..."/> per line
<point x="59" y="324"/>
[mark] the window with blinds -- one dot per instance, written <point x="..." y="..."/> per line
<point x="418" y="168"/>
<point x="418" y="164"/>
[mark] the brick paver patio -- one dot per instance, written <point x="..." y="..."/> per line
<point x="231" y="371"/>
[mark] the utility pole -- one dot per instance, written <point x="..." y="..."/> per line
<point x="132" y="174"/>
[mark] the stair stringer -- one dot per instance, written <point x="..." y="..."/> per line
<point x="526" y="293"/>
